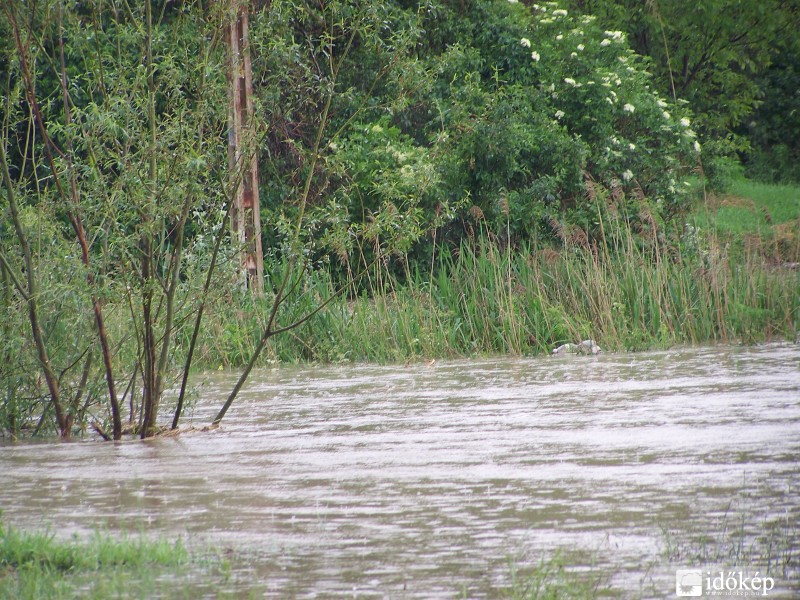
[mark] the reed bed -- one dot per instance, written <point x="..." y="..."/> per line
<point x="486" y="298"/>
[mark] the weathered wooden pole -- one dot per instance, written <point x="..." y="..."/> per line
<point x="242" y="151"/>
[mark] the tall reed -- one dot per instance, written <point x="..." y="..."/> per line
<point x="630" y="292"/>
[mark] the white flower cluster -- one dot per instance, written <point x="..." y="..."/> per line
<point x="535" y="56"/>
<point x="629" y="108"/>
<point x="526" y="43"/>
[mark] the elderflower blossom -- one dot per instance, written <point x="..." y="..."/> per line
<point x="627" y="175"/>
<point x="666" y="115"/>
<point x="685" y="122"/>
<point x="632" y="146"/>
<point x="525" y="43"/>
<point x="614" y="35"/>
<point x="513" y="1"/>
<point x="581" y="47"/>
<point x="570" y="81"/>
<point x="605" y="42"/>
<point x="559" y="114"/>
<point x="560" y="37"/>
<point x="541" y="8"/>
<point x="697" y="146"/>
<point x="560" y="12"/>
<point x="535" y="56"/>
<point x="661" y="104"/>
<point x="629" y="108"/>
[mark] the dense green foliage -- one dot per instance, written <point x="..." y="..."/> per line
<point x="734" y="61"/>
<point x="436" y="178"/>
<point x="447" y="116"/>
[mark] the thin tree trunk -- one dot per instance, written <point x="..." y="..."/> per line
<point x="80" y="233"/>
<point x="199" y="319"/>
<point x="31" y="295"/>
<point x="150" y="391"/>
<point x="11" y="412"/>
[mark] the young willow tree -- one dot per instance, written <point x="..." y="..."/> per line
<point x="115" y="170"/>
<point x="114" y="116"/>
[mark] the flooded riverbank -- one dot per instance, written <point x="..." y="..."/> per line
<point x="422" y="481"/>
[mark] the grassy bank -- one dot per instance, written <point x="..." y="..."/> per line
<point x="37" y="565"/>
<point x="752" y="214"/>
<point x="726" y="277"/>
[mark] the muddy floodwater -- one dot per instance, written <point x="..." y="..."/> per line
<point x="425" y="481"/>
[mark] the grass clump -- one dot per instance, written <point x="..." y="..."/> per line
<point x="37" y="565"/>
<point x="738" y="540"/>
<point x="552" y="579"/>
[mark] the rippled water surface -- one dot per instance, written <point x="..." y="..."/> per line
<point x="422" y="481"/>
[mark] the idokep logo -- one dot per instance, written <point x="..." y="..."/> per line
<point x="693" y="583"/>
<point x="689" y="582"/>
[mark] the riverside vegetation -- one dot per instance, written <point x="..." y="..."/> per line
<point x="438" y="179"/>
<point x="36" y="565"/>
<point x="726" y="279"/>
<point x="39" y="565"/>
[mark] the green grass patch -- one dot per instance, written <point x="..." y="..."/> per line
<point x="553" y="579"/>
<point x="751" y="208"/>
<point x="37" y="565"/>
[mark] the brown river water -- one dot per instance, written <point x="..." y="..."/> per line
<point x="427" y="481"/>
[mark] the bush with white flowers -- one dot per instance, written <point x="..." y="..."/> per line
<point x="542" y="101"/>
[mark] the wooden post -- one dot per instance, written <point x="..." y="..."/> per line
<point x="242" y="151"/>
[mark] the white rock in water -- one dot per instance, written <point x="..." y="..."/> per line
<point x="585" y="347"/>
<point x="589" y="346"/>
